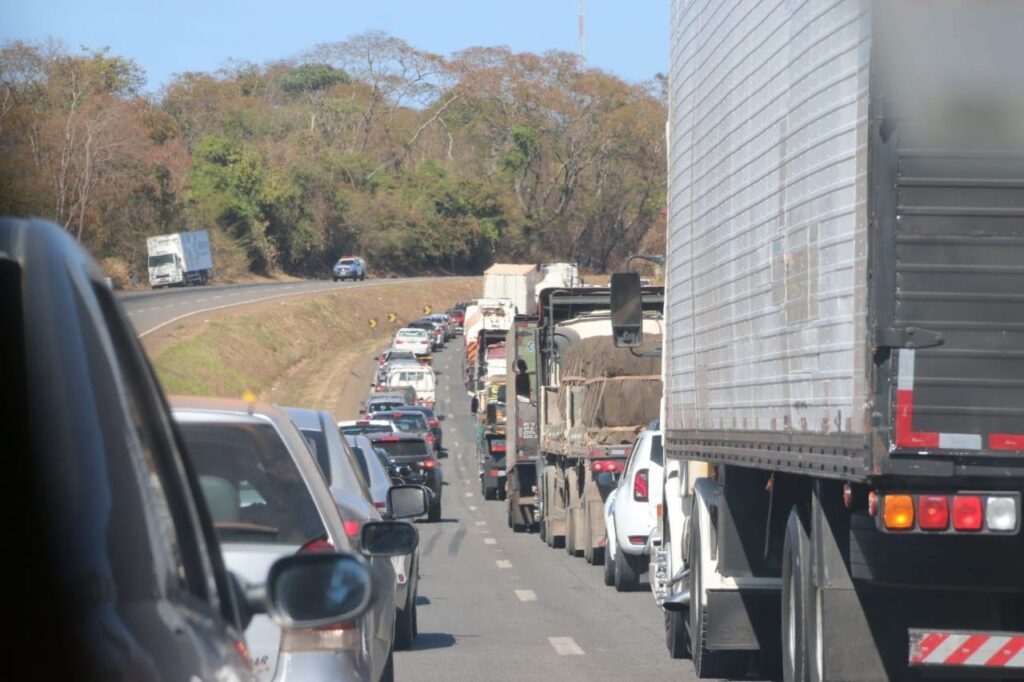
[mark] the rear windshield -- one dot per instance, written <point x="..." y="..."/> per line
<point x="657" y="455"/>
<point x="412" y="334"/>
<point x="409" y="423"/>
<point x="411" y="378"/>
<point x="373" y="408"/>
<point x="251" y="484"/>
<point x="403" y="448"/>
<point x="496" y="445"/>
<point x="356" y="430"/>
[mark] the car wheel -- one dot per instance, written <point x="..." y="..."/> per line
<point x="627" y="578"/>
<point x="609" y="563"/>
<point x="362" y="277"/>
<point x="335" y="279"/>
<point x="405" y="624"/>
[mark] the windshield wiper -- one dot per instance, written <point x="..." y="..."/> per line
<point x="242" y="527"/>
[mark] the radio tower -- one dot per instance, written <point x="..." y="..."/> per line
<point x="582" y="57"/>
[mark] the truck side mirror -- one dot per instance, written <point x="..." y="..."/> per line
<point x="627" y="310"/>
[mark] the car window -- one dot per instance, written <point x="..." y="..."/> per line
<point x="410" y="423"/>
<point x="252" y="485"/>
<point x="403" y="448"/>
<point x="657" y="454"/>
<point x="361" y="461"/>
<point x="318" y="446"/>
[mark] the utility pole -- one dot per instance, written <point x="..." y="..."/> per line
<point x="582" y="56"/>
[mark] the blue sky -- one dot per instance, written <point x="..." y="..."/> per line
<point x="626" y="37"/>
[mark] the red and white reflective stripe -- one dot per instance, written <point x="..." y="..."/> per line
<point x="905" y="434"/>
<point x="979" y="650"/>
<point x="1006" y="441"/>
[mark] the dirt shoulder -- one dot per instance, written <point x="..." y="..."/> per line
<point x="311" y="350"/>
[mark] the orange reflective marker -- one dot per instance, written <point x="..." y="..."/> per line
<point x="898" y="512"/>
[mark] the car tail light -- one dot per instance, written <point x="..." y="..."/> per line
<point x="898" y="512"/>
<point x="352" y="527"/>
<point x="499" y="448"/>
<point x="381" y="505"/>
<point x="637" y="539"/>
<point x="933" y="512"/>
<point x="1001" y="513"/>
<point x="399" y="342"/>
<point x="434" y="423"/>
<point x="610" y="465"/>
<point x="495" y="473"/>
<point x="640" y="486"/>
<point x="428" y="464"/>
<point x="967" y="512"/>
<point x="316" y="545"/>
<point x="430" y="438"/>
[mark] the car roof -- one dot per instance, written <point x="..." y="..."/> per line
<point x="304" y="418"/>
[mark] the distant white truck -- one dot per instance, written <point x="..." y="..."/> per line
<point x="179" y="259"/>
<point x="514" y="281"/>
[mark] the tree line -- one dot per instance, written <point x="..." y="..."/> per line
<point x="417" y="161"/>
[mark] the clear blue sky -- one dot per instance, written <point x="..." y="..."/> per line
<point x="626" y="37"/>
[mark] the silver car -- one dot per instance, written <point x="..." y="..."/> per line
<point x="268" y="499"/>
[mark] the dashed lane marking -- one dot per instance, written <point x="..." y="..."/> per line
<point x="526" y="595"/>
<point x="469" y="494"/>
<point x="490" y="541"/>
<point x="565" y="646"/>
<point x="472" y="508"/>
<point x="503" y="563"/>
<point x="481" y="523"/>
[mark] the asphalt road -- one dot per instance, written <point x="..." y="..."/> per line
<point x="496" y="605"/>
<point x="150" y="310"/>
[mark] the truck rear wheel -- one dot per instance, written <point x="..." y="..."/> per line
<point x="675" y="634"/>
<point x="591" y="554"/>
<point x="795" y="577"/>
<point x="707" y="662"/>
<point x="570" y="534"/>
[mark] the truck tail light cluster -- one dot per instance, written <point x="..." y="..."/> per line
<point x="954" y="513"/>
<point x="640" y="486"/>
<point x="611" y="465"/>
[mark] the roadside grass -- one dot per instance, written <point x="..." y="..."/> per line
<point x="295" y="349"/>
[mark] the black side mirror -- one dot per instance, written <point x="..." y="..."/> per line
<point x="389" y="538"/>
<point x="627" y="310"/>
<point x="407" y="501"/>
<point x="316" y="590"/>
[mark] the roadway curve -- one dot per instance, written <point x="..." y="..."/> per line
<point x="151" y="310"/>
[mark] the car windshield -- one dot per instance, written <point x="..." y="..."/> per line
<point x="403" y="448"/>
<point x="346" y="261"/>
<point x="412" y="334"/>
<point x="252" y="485"/>
<point x="358" y="429"/>
<point x="162" y="259"/>
<point x="409" y="423"/>
<point x="657" y="454"/>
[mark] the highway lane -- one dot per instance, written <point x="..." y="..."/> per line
<point x="497" y="605"/>
<point x="151" y="310"/>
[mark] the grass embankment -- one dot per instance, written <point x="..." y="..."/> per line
<point x="311" y="351"/>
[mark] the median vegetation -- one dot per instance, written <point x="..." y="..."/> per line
<point x="417" y="161"/>
<point x="299" y="350"/>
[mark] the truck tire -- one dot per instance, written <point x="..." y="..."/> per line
<point x="707" y="663"/>
<point x="796" y="578"/>
<point x="627" y="578"/>
<point x="675" y="634"/>
<point x="609" y="565"/>
<point x="591" y="554"/>
<point x="570" y="533"/>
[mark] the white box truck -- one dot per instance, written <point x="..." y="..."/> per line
<point x="843" y="408"/>
<point x="514" y="281"/>
<point x="179" y="259"/>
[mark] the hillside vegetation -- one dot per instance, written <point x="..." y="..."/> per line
<point x="418" y="161"/>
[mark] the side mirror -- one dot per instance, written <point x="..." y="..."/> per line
<point x="474" y="405"/>
<point x="605" y="479"/>
<point x="627" y="310"/>
<point x="316" y="590"/>
<point x="441" y="417"/>
<point x="407" y="501"/>
<point x="389" y="538"/>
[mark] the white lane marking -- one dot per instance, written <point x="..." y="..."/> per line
<point x="200" y="300"/>
<point x="472" y="508"/>
<point x="565" y="646"/>
<point x="526" y="595"/>
<point x="490" y="541"/>
<point x="503" y="563"/>
<point x="481" y="523"/>
<point x="469" y="494"/>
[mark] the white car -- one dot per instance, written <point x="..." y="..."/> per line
<point x="360" y="427"/>
<point x="630" y="514"/>
<point x="416" y="341"/>
<point x="421" y="379"/>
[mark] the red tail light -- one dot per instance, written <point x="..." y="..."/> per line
<point x="499" y="448"/>
<point x="381" y="505"/>
<point x="316" y="545"/>
<point x="933" y="512"/>
<point x="434" y="423"/>
<point x="640" y="486"/>
<point x="967" y="512"/>
<point x="430" y="438"/>
<point x="638" y="539"/>
<point x="352" y="527"/>
<point x="428" y="464"/>
<point x="610" y="465"/>
<point x="495" y="473"/>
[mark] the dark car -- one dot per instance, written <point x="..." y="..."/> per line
<point x="492" y="466"/>
<point x="117" y="557"/>
<point x="411" y="459"/>
<point x="433" y="421"/>
<point x="407" y="420"/>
